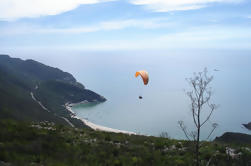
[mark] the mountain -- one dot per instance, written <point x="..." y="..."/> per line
<point x="32" y="91"/>
<point x="230" y="137"/>
<point x="248" y="126"/>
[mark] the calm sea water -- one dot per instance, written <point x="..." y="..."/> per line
<point x="164" y="102"/>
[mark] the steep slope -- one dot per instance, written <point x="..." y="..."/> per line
<point x="30" y="90"/>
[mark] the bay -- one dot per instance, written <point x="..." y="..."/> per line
<point x="164" y="103"/>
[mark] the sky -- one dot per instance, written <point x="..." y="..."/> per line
<point x="125" y="24"/>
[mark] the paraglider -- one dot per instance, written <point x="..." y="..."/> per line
<point x="144" y="76"/>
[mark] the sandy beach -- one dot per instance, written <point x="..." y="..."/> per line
<point x="92" y="125"/>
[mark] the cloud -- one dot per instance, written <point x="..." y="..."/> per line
<point x="15" y="9"/>
<point x="102" y="26"/>
<point x="197" y="38"/>
<point x="204" y="37"/>
<point x="113" y="25"/>
<point x="173" y="5"/>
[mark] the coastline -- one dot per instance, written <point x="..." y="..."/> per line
<point x="92" y="125"/>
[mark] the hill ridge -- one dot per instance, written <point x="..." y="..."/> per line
<point x="50" y="86"/>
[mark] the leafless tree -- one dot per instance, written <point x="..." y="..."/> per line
<point x="199" y="96"/>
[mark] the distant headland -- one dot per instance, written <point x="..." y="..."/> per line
<point x="32" y="91"/>
<point x="248" y="126"/>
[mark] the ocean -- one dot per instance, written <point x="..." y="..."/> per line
<point x="164" y="103"/>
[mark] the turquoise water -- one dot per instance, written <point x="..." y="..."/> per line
<point x="164" y="102"/>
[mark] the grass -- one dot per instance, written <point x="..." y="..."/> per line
<point x="44" y="143"/>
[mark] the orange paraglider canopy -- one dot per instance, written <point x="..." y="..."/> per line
<point x="144" y="76"/>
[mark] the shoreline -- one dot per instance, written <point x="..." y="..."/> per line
<point x="93" y="126"/>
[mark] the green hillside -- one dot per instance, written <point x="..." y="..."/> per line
<point x="56" y="145"/>
<point x="52" y="87"/>
<point x="35" y="128"/>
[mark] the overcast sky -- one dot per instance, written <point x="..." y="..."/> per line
<point x="125" y="24"/>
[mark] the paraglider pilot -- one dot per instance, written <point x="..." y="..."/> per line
<point x="144" y="76"/>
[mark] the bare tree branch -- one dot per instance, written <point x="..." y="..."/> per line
<point x="214" y="125"/>
<point x="183" y="128"/>
<point x="208" y="117"/>
<point x="199" y="96"/>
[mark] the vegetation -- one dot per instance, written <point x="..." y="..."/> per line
<point x="37" y="136"/>
<point x="234" y="138"/>
<point x="51" y="86"/>
<point x="48" y="144"/>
